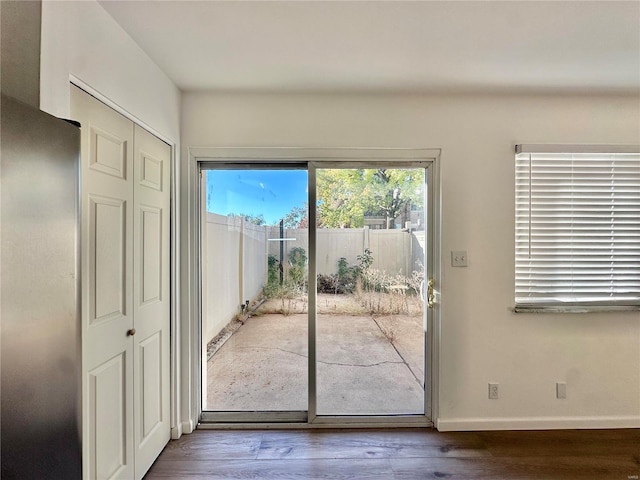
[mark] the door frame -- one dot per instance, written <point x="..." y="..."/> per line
<point x="315" y="158"/>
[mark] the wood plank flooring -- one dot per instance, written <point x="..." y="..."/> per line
<point x="401" y="454"/>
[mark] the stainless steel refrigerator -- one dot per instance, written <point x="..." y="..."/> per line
<point x="40" y="316"/>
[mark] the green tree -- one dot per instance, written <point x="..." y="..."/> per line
<point x="297" y="217"/>
<point x="345" y="196"/>
<point x="388" y="192"/>
<point x="340" y="202"/>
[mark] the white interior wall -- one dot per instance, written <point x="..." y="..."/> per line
<point x="482" y="341"/>
<point x="80" y="39"/>
<point x="20" y="50"/>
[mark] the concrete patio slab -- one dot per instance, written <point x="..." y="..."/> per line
<point x="263" y="366"/>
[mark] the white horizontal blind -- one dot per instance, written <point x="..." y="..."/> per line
<point x="577" y="229"/>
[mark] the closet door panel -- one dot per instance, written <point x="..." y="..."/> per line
<point x="107" y="288"/>
<point x="151" y="297"/>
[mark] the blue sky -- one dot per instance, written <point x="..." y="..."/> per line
<point x="272" y="193"/>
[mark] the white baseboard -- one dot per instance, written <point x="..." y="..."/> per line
<point x="536" y="423"/>
<point x="188" y="427"/>
<point x="176" y="432"/>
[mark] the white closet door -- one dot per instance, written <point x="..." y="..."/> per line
<point x="107" y="293"/>
<point x="125" y="292"/>
<point x="151" y="297"/>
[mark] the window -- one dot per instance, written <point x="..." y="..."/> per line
<point x="577" y="227"/>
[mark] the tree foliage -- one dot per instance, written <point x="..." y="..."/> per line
<point x="297" y="218"/>
<point x="347" y="195"/>
<point x="340" y="198"/>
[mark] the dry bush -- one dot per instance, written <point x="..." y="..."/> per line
<point x="385" y="294"/>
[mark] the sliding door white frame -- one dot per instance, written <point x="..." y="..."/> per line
<point x="200" y="158"/>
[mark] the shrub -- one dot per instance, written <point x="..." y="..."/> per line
<point x="327" y="283"/>
<point x="270" y="290"/>
<point x="391" y="294"/>
<point x="348" y="278"/>
<point x="295" y="284"/>
<point x="297" y="267"/>
<point x="365" y="260"/>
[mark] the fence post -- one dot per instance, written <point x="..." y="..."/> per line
<point x="365" y="238"/>
<point x="281" y="252"/>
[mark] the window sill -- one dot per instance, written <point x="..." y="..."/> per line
<point x="575" y="308"/>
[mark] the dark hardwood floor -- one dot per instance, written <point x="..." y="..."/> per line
<point x="401" y="454"/>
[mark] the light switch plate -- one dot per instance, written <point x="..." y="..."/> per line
<point x="459" y="259"/>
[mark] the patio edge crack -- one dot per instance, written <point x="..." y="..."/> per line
<point x="397" y="351"/>
<point x="326" y="363"/>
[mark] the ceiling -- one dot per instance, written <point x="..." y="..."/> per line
<point x="389" y="46"/>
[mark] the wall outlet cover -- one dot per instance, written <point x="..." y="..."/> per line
<point x="493" y="391"/>
<point x="459" y="258"/>
<point x="561" y="390"/>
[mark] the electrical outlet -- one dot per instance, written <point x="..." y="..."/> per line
<point x="493" y="391"/>
<point x="561" y="390"/>
<point x="459" y="259"/>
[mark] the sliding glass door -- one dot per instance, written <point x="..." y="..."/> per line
<point x="370" y="265"/>
<point x="254" y="290"/>
<point x="318" y="314"/>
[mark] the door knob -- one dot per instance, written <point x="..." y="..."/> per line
<point x="131" y="332"/>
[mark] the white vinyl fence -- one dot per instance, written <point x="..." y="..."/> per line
<point x="234" y="269"/>
<point x="394" y="251"/>
<point x="235" y="255"/>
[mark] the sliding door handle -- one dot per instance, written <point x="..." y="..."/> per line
<point x="430" y="294"/>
